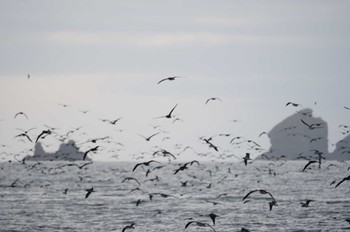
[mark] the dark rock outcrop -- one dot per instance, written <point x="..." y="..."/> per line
<point x="67" y="151"/>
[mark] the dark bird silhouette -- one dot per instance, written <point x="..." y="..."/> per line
<point x="145" y="164"/>
<point x="264" y="133"/>
<point x="213" y="216"/>
<point x="47" y="132"/>
<point x="262" y="191"/>
<point x="306" y="203"/>
<point x="78" y="166"/>
<point x="212" y="99"/>
<point x="21" y="113"/>
<point x="346" y="178"/>
<point x="271" y="204"/>
<point x="24" y="135"/>
<point x="169" y="79"/>
<point x="112" y="122"/>
<point x="312" y="126"/>
<point x="293" y="104"/>
<point x="90" y="150"/>
<point x="347" y="108"/>
<point x="131" y="226"/>
<point x="149" y="137"/>
<point x="246" y="158"/>
<point x="63" y="105"/>
<point x="201" y="224"/>
<point x="169" y="115"/>
<point x="89" y="191"/>
<point x="131" y="178"/>
<point x="308" y="164"/>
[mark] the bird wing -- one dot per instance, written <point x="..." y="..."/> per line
<point x="153" y="135"/>
<point x="173" y="109"/>
<point x="308" y="164"/>
<point x="249" y="194"/>
<point x="136" y="166"/>
<point x="88" y="194"/>
<point x="346" y="178"/>
<point x="39" y="136"/>
<point x="305" y="123"/>
<point x="208" y="100"/>
<point x="189" y="223"/>
<point x="162" y="80"/>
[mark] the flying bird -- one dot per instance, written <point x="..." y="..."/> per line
<point x="246" y="158"/>
<point x="72" y="164"/>
<point x="169" y="79"/>
<point x="293" y="104"/>
<point x="262" y="191"/>
<point x="308" y="164"/>
<point x="312" y="126"/>
<point x="149" y="137"/>
<point x="88" y="192"/>
<point x="144" y="163"/>
<point x="131" y="226"/>
<point x="346" y="178"/>
<point x="213" y="99"/>
<point x="90" y="150"/>
<point x="24" y="135"/>
<point x="169" y="115"/>
<point x="213" y="216"/>
<point x="47" y="132"/>
<point x="201" y="224"/>
<point x="21" y="113"/>
<point x="131" y="178"/>
<point x="306" y="203"/>
<point x="112" y="122"/>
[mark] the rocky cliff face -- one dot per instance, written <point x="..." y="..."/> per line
<point x="299" y="136"/>
<point x="342" y="149"/>
<point x="67" y="151"/>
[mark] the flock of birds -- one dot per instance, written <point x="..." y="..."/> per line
<point x="98" y="144"/>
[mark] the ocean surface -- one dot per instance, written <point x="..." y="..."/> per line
<point x="33" y="198"/>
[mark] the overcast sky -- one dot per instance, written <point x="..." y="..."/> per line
<point x="108" y="56"/>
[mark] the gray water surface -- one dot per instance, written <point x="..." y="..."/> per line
<point x="36" y="201"/>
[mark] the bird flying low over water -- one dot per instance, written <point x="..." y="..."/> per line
<point x="201" y="224"/>
<point x="145" y="163"/>
<point x="262" y="191"/>
<point x="308" y="164"/>
<point x="306" y="203"/>
<point x="169" y="79"/>
<point x="346" y="178"/>
<point x="131" y="226"/>
<point x="246" y="158"/>
<point x="89" y="191"/>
